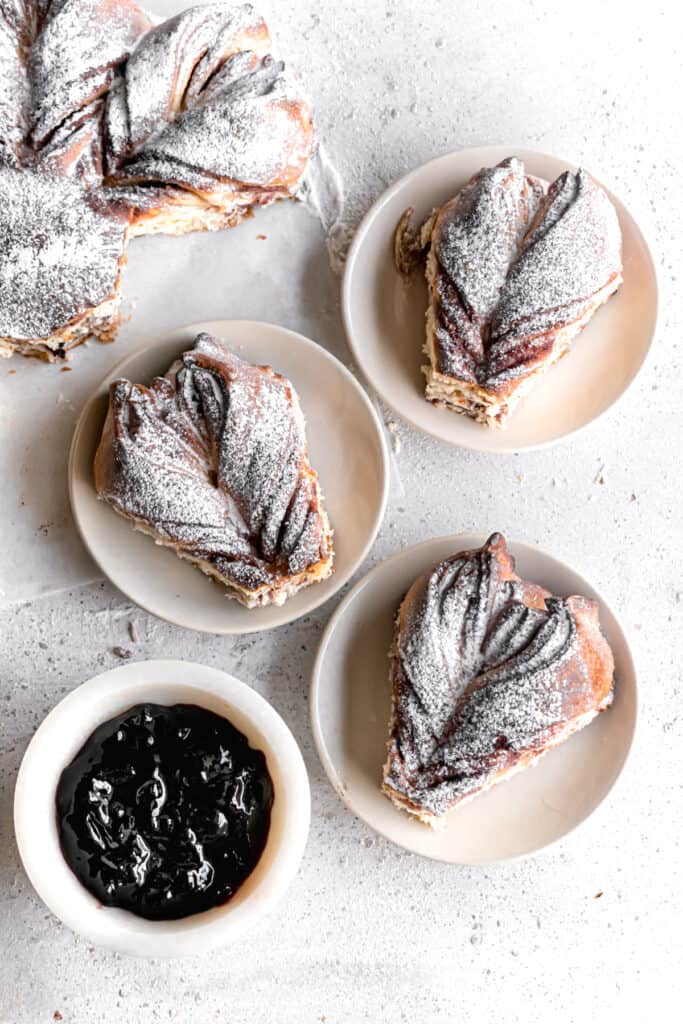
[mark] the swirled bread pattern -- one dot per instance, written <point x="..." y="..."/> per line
<point x="211" y="460"/>
<point x="488" y="672"/>
<point x="128" y="128"/>
<point x="514" y="273"/>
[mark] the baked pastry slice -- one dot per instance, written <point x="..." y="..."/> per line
<point x="211" y="460"/>
<point x="514" y="273"/>
<point x="61" y="257"/>
<point x="62" y="243"/>
<point x="202" y="123"/>
<point x="110" y="127"/>
<point x="488" y="672"/>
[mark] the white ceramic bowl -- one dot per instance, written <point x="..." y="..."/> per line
<point x="347" y="449"/>
<point x="350" y="702"/>
<point x="384" y="317"/>
<point x="61" y="736"/>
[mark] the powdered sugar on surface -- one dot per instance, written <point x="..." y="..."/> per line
<point x="321" y="189"/>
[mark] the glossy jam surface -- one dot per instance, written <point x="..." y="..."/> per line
<point x="164" y="811"/>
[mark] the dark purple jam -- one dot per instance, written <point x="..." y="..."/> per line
<point x="164" y="811"/>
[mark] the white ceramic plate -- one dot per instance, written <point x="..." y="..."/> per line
<point x="384" y="317"/>
<point x="350" y="702"/>
<point x="347" y="449"/>
<point x="59" y="739"/>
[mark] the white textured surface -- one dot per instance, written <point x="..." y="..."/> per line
<point x="369" y="933"/>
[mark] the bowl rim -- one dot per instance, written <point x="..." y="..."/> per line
<point x="462" y="541"/>
<point x="339" y="577"/>
<point x="487" y="152"/>
<point x="73" y="719"/>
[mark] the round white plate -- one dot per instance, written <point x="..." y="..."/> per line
<point x="346" y="446"/>
<point x="384" y="315"/>
<point x="351" y="699"/>
<point x="61" y="736"/>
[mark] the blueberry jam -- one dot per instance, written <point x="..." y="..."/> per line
<point x="164" y="811"/>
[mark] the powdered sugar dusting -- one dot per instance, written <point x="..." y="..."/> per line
<point x="570" y="254"/>
<point x="212" y="458"/>
<point x="480" y="233"/>
<point x="15" y="91"/>
<point x="509" y="266"/>
<point x="69" y="66"/>
<point x="164" y="67"/>
<point x="60" y="253"/>
<point x="250" y="136"/>
<point x="484" y="671"/>
<point x="475" y="238"/>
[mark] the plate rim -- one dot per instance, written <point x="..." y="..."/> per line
<point x="356" y="348"/>
<point x="340" y="579"/>
<point x="315" y="689"/>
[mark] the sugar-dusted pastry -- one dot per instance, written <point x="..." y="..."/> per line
<point x="211" y="460"/>
<point x="110" y="127"/>
<point x="488" y="672"/>
<point x="61" y="256"/>
<point x="514" y="273"/>
<point x="202" y="123"/>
